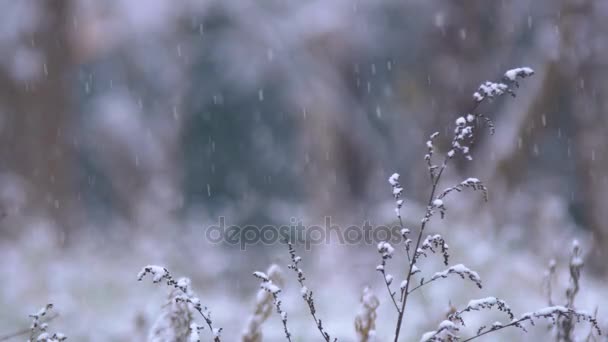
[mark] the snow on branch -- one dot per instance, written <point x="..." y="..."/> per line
<point x="463" y="271"/>
<point x="158" y="273"/>
<point x="185" y="295"/>
<point x="460" y="269"/>
<point x="386" y="252"/>
<point x="434" y="244"/>
<point x="429" y="156"/>
<point x="482" y="304"/>
<point x="397" y="191"/>
<point x="446" y="331"/>
<point x="471" y="183"/>
<point x="269" y="292"/>
<point x="39" y="328"/>
<point x="513" y="74"/>
<point x="494" y="89"/>
<point x="553" y="313"/>
<point x="365" y="321"/>
<point x="307" y="294"/>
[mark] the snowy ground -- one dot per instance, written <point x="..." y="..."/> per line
<point x="93" y="282"/>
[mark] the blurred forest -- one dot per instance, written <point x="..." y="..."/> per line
<point x="114" y="110"/>
<point x="118" y="116"/>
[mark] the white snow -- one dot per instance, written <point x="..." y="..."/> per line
<point x="260" y="275"/>
<point x="158" y="273"/>
<point x="385" y="248"/>
<point x="497" y="325"/>
<point x="427" y="336"/>
<point x="445" y="328"/>
<point x="478" y="97"/>
<point x="270" y="287"/>
<point x="461" y="270"/>
<point x="194" y="335"/>
<point x="550" y="310"/>
<point x="449" y="325"/>
<point x="512" y="74"/>
<point x="394" y="179"/>
<point x="479" y="303"/>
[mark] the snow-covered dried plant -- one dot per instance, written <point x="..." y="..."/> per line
<point x="266" y="300"/>
<point x="461" y="144"/>
<point x="307" y="294"/>
<point x="39" y="329"/>
<point x="564" y="329"/>
<point x="424" y="246"/>
<point x="173" y="324"/>
<point x="176" y="322"/>
<point x="365" y="321"/>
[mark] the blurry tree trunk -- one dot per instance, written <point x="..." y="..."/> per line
<point x="337" y="160"/>
<point x="34" y="143"/>
<point x="573" y="74"/>
<point x="587" y="85"/>
<point x="591" y="153"/>
<point x="581" y="24"/>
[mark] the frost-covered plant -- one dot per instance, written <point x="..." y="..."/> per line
<point x="423" y="246"/>
<point x="461" y="145"/>
<point x="307" y="294"/>
<point x="173" y="324"/>
<point x="365" y="321"/>
<point x="266" y="299"/>
<point x="39" y="329"/>
<point x="176" y="322"/>
<point x="564" y="328"/>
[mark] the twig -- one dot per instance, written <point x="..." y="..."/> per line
<point x="487" y="90"/>
<point x="306" y="293"/>
<point x="159" y="274"/>
<point x="25" y="331"/>
<point x="512" y="324"/>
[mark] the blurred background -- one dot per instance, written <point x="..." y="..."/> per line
<point x="128" y="127"/>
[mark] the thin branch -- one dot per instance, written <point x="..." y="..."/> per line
<point x="419" y="239"/>
<point x="421" y="285"/>
<point x="390" y="292"/>
<point x="512" y="324"/>
<point x="306" y="294"/>
<point x="485" y="91"/>
<point x="25" y="331"/>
